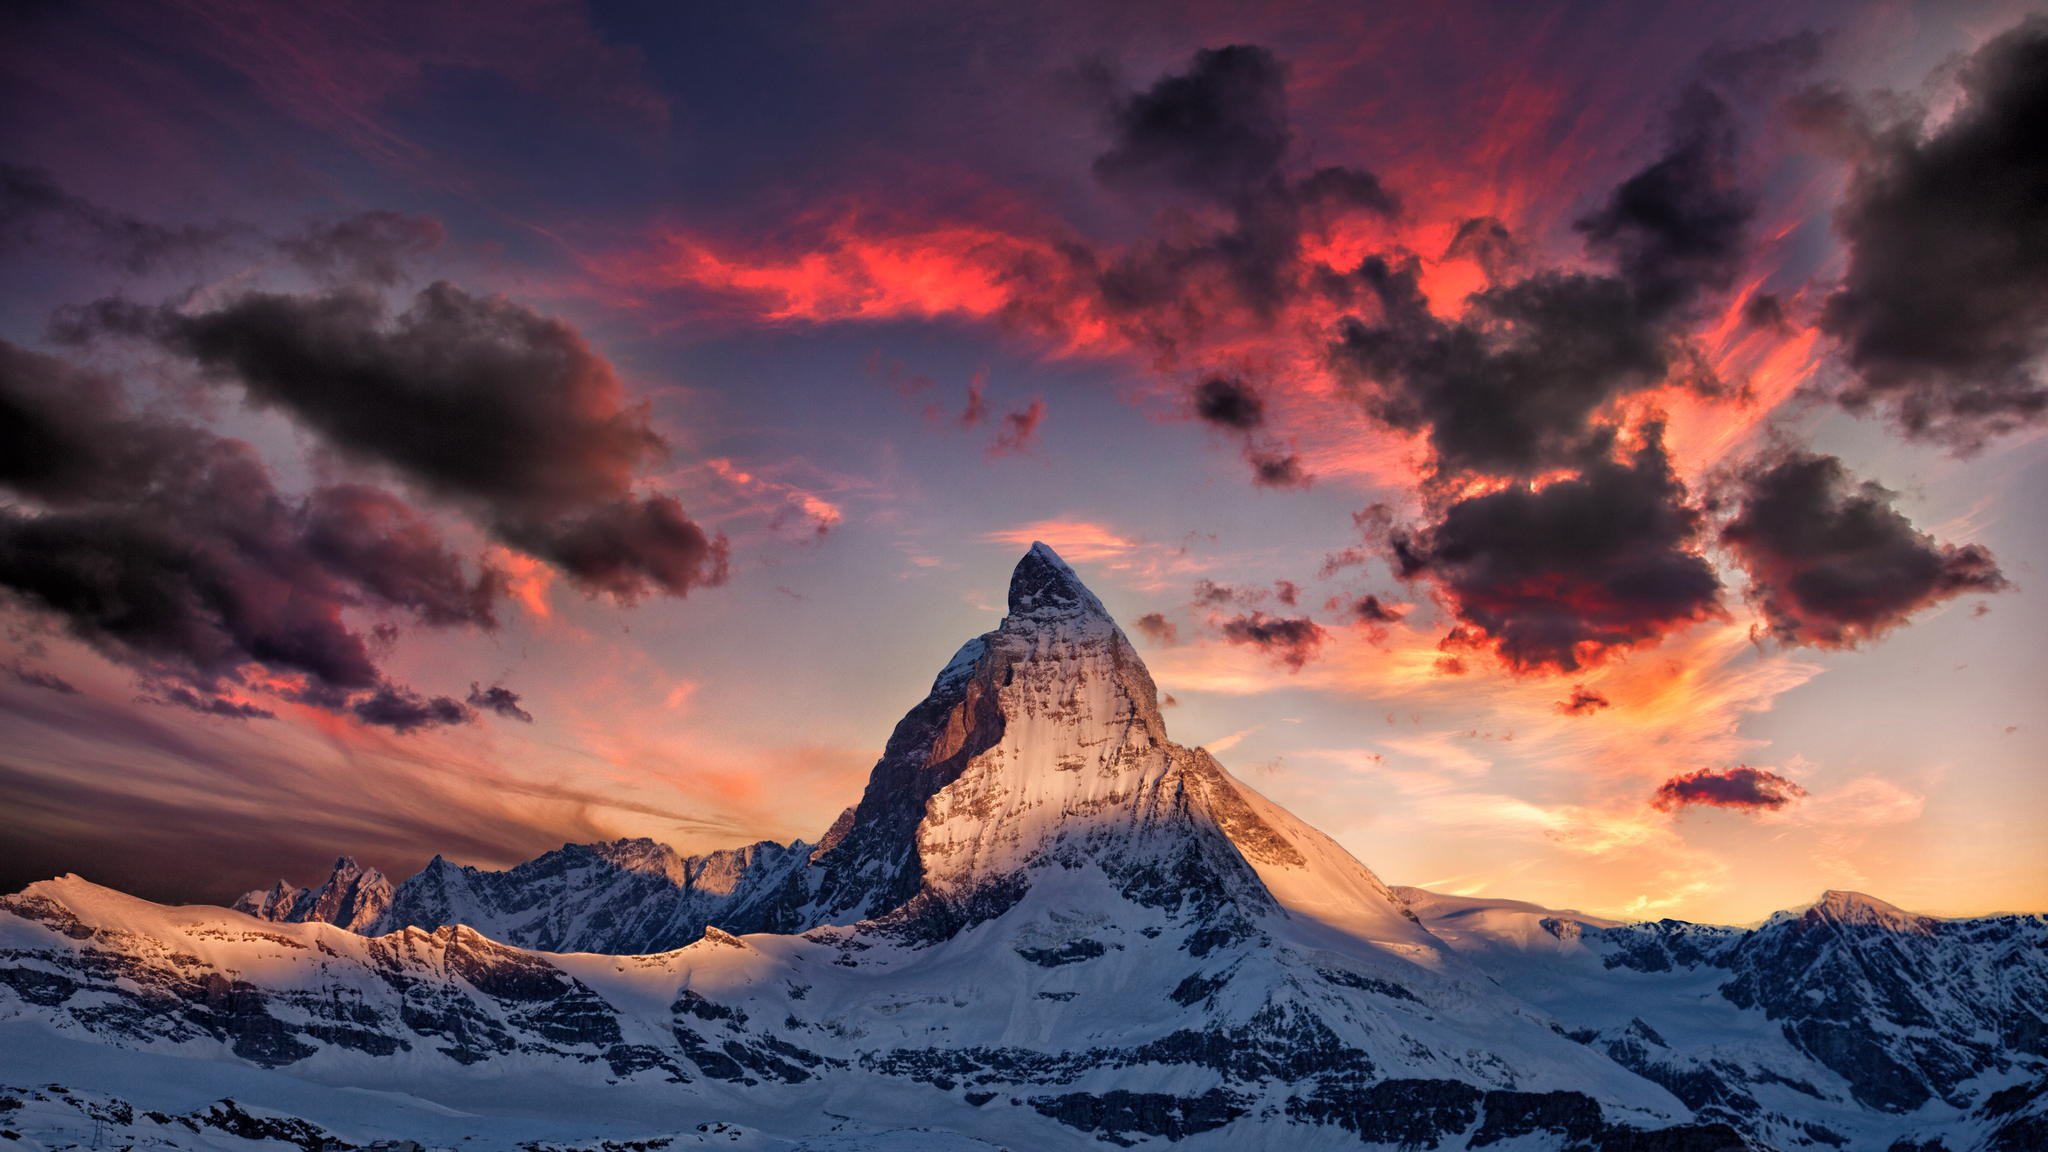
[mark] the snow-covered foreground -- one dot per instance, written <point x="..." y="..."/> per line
<point x="1044" y="926"/>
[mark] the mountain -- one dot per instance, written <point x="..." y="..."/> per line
<point x="1044" y="925"/>
<point x="352" y="897"/>
<point x="1846" y="1016"/>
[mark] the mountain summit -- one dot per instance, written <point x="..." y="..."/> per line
<point x="1044" y="924"/>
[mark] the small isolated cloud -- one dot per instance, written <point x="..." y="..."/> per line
<point x="1742" y="788"/>
<point x="1288" y="640"/>
<point x="500" y="700"/>
<point x="1831" y="562"/>
<point x="1277" y="468"/>
<point x="1583" y="701"/>
<point x="1158" y="629"/>
<point x="1229" y="402"/>
<point x="1373" y="610"/>
<point x="1017" y="433"/>
<point x="403" y="710"/>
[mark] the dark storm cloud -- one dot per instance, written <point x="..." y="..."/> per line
<point x="1289" y="640"/>
<point x="383" y="545"/>
<point x="36" y="210"/>
<point x="368" y="247"/>
<point x="169" y="549"/>
<point x="403" y="710"/>
<point x="1559" y="576"/>
<point x="1831" y="562"/>
<point x="1219" y="133"/>
<point x="1679" y="227"/>
<point x="505" y="412"/>
<point x="1515" y="386"/>
<point x="1158" y="629"/>
<point x="1583" y="701"/>
<point x="1229" y="402"/>
<point x="1742" y="788"/>
<point x="1943" y="312"/>
<point x="1219" y="129"/>
<point x="499" y="699"/>
<point x="1512" y="389"/>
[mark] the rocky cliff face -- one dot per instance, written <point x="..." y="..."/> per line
<point x="1044" y="924"/>
<point x="352" y="897"/>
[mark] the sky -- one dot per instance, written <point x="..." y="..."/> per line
<point x="1583" y="453"/>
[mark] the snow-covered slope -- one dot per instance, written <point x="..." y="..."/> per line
<point x="1044" y="925"/>
<point x="1847" y="1019"/>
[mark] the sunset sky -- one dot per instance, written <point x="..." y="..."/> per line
<point x="1584" y="453"/>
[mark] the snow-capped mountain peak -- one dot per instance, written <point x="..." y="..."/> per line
<point x="1044" y="584"/>
<point x="352" y="896"/>
<point x="1842" y="907"/>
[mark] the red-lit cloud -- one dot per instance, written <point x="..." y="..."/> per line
<point x="1742" y="788"/>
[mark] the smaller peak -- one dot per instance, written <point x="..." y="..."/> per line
<point x="1842" y="898"/>
<point x="1042" y="581"/>
<point x="1857" y="908"/>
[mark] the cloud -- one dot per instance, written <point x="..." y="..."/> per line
<point x="39" y="678"/>
<point x="35" y="211"/>
<point x="1679" y="227"/>
<point x="482" y="402"/>
<point x="1831" y="562"/>
<point x="403" y="710"/>
<point x="1274" y="468"/>
<point x="1218" y="133"/>
<point x="1372" y="610"/>
<point x="1511" y="389"/>
<point x="370" y="247"/>
<point x="1514" y="386"/>
<point x="1158" y="629"/>
<point x="1939" y="314"/>
<point x="1289" y="640"/>
<point x="1743" y="788"/>
<point x="1487" y="242"/>
<point x="499" y="699"/>
<point x="170" y="550"/>
<point x="1018" y="432"/>
<point x="1218" y="130"/>
<point x="1584" y="701"/>
<point x="1229" y="402"/>
<point x="1559" y="576"/>
<point x="385" y="546"/>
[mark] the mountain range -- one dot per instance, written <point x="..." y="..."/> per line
<point x="1044" y="925"/>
